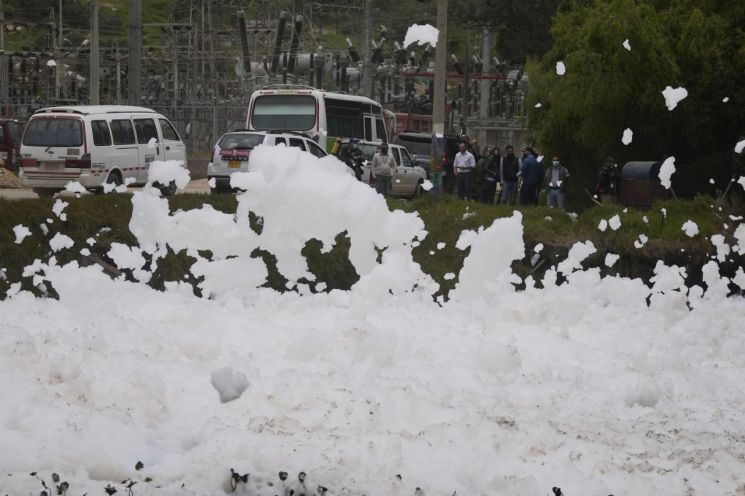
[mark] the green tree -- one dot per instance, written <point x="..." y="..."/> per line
<point x="522" y="27"/>
<point x="694" y="44"/>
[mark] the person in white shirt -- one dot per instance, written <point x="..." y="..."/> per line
<point x="383" y="167"/>
<point x="463" y="165"/>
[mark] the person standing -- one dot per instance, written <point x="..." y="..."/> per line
<point x="556" y="183"/>
<point x="531" y="174"/>
<point x="463" y="165"/>
<point x="480" y="173"/>
<point x="508" y="176"/>
<point x="382" y="168"/>
<point x="608" y="182"/>
<point x="491" y="177"/>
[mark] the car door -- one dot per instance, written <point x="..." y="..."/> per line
<point x="125" y="153"/>
<point x="148" y="143"/>
<point x="414" y="173"/>
<point x="398" y="180"/>
<point x="173" y="147"/>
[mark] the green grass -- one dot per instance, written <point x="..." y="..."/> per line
<point x="106" y="217"/>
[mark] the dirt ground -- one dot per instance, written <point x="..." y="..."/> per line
<point x="8" y="180"/>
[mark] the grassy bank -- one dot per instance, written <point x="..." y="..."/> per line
<point x="106" y="219"/>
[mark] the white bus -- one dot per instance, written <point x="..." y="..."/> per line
<point x="322" y="115"/>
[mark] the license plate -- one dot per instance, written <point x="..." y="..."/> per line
<point x="234" y="164"/>
<point x="50" y="166"/>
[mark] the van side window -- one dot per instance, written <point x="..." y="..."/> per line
<point x="124" y="133"/>
<point x="101" y="134"/>
<point x="168" y="132"/>
<point x="280" y="141"/>
<point x="146" y="130"/>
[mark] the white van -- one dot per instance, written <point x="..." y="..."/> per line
<point x="94" y="145"/>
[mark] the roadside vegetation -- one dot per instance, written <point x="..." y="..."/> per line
<point x="105" y="219"/>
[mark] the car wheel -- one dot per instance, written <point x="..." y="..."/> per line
<point x="45" y="192"/>
<point x="417" y="191"/>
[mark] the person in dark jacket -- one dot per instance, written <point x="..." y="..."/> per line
<point x="508" y="177"/>
<point x="351" y="156"/>
<point x="478" y="173"/>
<point x="491" y="176"/>
<point x="531" y="173"/>
<point x="609" y="180"/>
<point x="556" y="183"/>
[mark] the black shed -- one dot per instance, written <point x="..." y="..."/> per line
<point x="640" y="184"/>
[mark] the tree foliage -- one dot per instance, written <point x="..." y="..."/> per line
<point x="522" y="27"/>
<point x="698" y="45"/>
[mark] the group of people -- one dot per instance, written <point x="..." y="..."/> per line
<point x="479" y="178"/>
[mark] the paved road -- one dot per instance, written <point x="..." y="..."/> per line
<point x="199" y="186"/>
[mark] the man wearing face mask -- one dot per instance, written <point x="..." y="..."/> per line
<point x="383" y="166"/>
<point x="556" y="177"/>
<point x="508" y="175"/>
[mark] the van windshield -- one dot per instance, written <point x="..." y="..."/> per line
<point x="284" y="112"/>
<point x="240" y="141"/>
<point x="50" y="131"/>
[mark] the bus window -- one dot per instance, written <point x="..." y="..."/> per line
<point x="284" y="112"/>
<point x="380" y="130"/>
<point x="368" y="129"/>
<point x="344" y="118"/>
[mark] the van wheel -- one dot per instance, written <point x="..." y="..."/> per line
<point x="45" y="192"/>
<point x="168" y="190"/>
<point x="114" y="178"/>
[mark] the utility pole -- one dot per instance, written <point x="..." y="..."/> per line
<point x="58" y="56"/>
<point x="367" y="80"/>
<point x="134" y="90"/>
<point x="59" y="33"/>
<point x="466" y="81"/>
<point x="4" y="79"/>
<point x="93" y="86"/>
<point x="484" y="84"/>
<point x="440" y="74"/>
<point x="2" y="28"/>
<point x="118" y="77"/>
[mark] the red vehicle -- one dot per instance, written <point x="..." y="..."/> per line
<point x="9" y="144"/>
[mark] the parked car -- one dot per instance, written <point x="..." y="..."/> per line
<point x="232" y="150"/>
<point x="9" y="144"/>
<point x="94" y="145"/>
<point x="408" y="177"/>
<point x="419" y="146"/>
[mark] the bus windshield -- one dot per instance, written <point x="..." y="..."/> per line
<point x="284" y="112"/>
